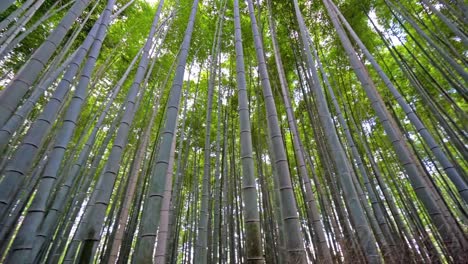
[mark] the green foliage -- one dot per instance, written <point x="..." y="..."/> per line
<point x="428" y="83"/>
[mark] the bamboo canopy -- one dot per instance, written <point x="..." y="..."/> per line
<point x="219" y="131"/>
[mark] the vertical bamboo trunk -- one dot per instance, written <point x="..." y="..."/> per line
<point x="293" y="236"/>
<point x="19" y="165"/>
<point x="216" y="241"/>
<point x="416" y="83"/>
<point x="448" y="167"/>
<point x="160" y="255"/>
<point x="447" y="22"/>
<point x="11" y="96"/>
<point x="16" y="120"/>
<point x="21" y="251"/>
<point x="9" y="34"/>
<point x="133" y="180"/>
<point x="14" y="15"/>
<point x="95" y="215"/>
<point x="60" y="199"/>
<point x="150" y="221"/>
<point x="181" y="171"/>
<point x="10" y="43"/>
<point x="456" y="66"/>
<point x="365" y="235"/>
<point x="312" y="210"/>
<point x="201" y="252"/>
<point x="254" y="249"/>
<point x="417" y="179"/>
<point x="385" y="235"/>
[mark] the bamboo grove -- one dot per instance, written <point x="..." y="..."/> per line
<point x="227" y="131"/>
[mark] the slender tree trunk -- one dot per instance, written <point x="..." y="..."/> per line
<point x="11" y="96"/>
<point x="448" y="167"/>
<point x="417" y="179"/>
<point x="293" y="236"/>
<point x="15" y="14"/>
<point x="312" y="210"/>
<point x="150" y="222"/>
<point x="201" y="252"/>
<point x="16" y="120"/>
<point x="133" y="180"/>
<point x="254" y="249"/>
<point x="11" y="42"/>
<point x="162" y="243"/>
<point x="13" y="31"/>
<point x="19" y="165"/>
<point x="365" y="236"/>
<point x="385" y="235"/>
<point x="90" y="233"/>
